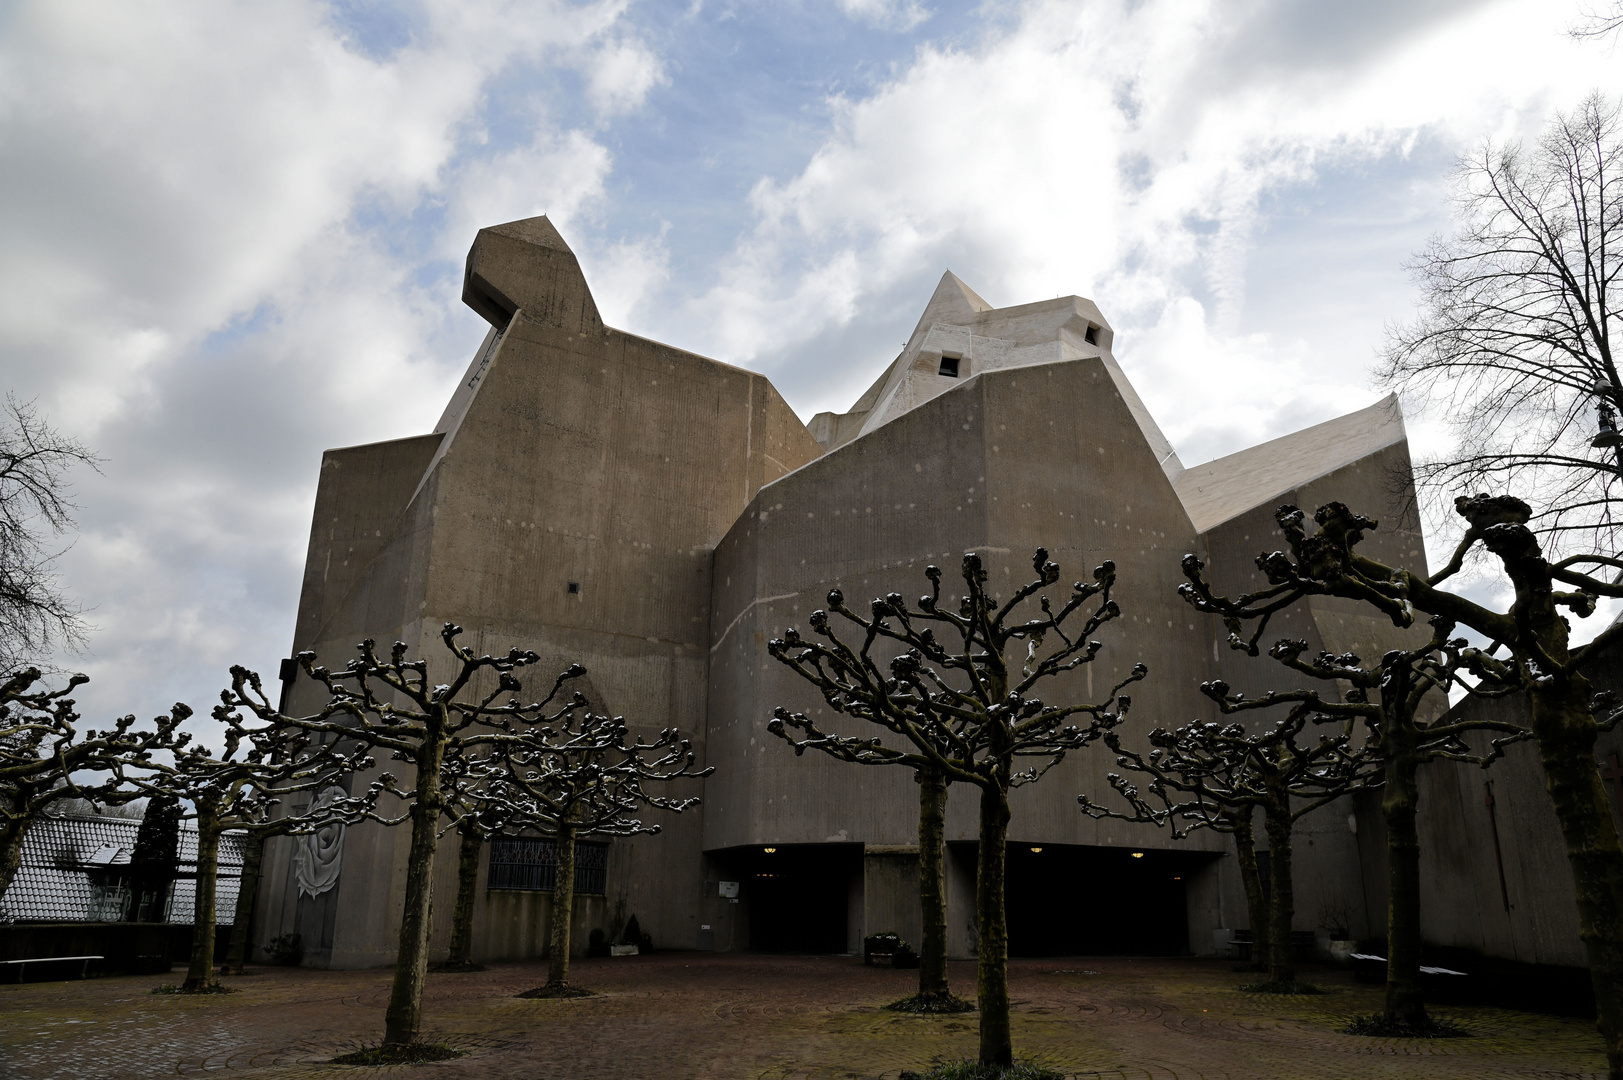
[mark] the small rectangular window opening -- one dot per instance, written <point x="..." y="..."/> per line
<point x="1091" y="336"/>
<point x="574" y="587"/>
<point x="949" y="366"/>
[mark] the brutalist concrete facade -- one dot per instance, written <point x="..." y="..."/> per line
<point x="658" y="516"/>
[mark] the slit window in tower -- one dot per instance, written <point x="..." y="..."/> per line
<point x="949" y="366"/>
<point x="1091" y="336"/>
<point x="574" y="587"/>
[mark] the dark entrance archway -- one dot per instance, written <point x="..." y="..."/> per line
<point x="799" y="895"/>
<point x="1068" y="900"/>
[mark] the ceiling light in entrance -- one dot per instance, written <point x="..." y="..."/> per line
<point x="1138" y="854"/>
<point x="1036" y="851"/>
<point x="769" y="850"/>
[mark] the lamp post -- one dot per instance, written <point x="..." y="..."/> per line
<point x="1608" y="437"/>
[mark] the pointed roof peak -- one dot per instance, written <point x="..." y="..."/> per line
<point x="953" y="303"/>
<point x="952" y="289"/>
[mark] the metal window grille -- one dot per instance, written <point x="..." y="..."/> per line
<point x="530" y="864"/>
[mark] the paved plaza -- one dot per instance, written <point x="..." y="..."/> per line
<point x="686" y="1016"/>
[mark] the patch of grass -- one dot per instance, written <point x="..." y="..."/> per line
<point x="932" y="1004"/>
<point x="1280" y="988"/>
<point x="211" y="988"/>
<point x="1378" y="1025"/>
<point x="551" y="991"/>
<point x="467" y="965"/>
<point x="398" y="1054"/>
<point x="974" y="1070"/>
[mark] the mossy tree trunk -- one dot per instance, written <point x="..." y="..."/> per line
<point x="933" y="884"/>
<point x="563" y="909"/>
<point x="1282" y="894"/>
<point x="1256" y="900"/>
<point x="200" y="973"/>
<point x="991" y="916"/>
<point x="1566" y="731"/>
<point x="404" y="1017"/>
<point x="467" y="888"/>
<point x="1400" y="805"/>
<point x="253" y="860"/>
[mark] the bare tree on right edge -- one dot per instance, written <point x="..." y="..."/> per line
<point x="1402" y="705"/>
<point x="968" y="706"/>
<point x="1566" y="714"/>
<point x="1516" y="339"/>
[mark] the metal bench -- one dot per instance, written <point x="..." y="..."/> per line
<point x="21" y="965"/>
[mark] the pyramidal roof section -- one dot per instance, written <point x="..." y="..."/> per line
<point x="1229" y="486"/>
<point x="953" y="303"/>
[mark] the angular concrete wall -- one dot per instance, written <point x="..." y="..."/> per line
<point x="577" y="454"/>
<point x="696" y="517"/>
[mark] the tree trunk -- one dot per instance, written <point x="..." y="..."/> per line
<point x="1256" y="901"/>
<point x="253" y="858"/>
<point x="563" y="909"/>
<point x="467" y="886"/>
<point x="1565" y="728"/>
<point x="11" y="851"/>
<point x="1400" y="805"/>
<point x="200" y="975"/>
<point x="992" y="967"/>
<point x="404" y="1018"/>
<point x="1281" y="957"/>
<point x="933" y="884"/>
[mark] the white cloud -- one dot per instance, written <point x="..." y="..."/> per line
<point x="1123" y="151"/>
<point x="222" y="256"/>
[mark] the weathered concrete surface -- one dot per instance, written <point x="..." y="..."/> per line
<point x="1464" y="903"/>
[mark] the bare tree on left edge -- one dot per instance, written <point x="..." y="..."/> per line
<point x="36" y="508"/>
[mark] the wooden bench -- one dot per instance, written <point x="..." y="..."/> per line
<point x="21" y="965"/>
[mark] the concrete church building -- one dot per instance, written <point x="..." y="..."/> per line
<point x="656" y="516"/>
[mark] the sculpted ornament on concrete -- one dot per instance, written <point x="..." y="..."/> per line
<point x="319" y="855"/>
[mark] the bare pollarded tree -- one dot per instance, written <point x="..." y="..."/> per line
<point x="35" y="506"/>
<point x="42" y="751"/>
<point x="242" y="793"/>
<point x="1402" y="706"/>
<point x="1566" y="715"/>
<point x="1516" y="339"/>
<point x="1216" y="776"/>
<point x="585" y="775"/>
<point x="965" y="706"/>
<point x="390" y="703"/>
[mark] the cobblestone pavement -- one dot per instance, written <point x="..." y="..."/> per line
<point x="704" y="1016"/>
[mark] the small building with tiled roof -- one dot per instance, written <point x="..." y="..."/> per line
<point x="75" y="868"/>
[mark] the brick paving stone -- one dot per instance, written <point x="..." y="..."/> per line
<point x="704" y="1016"/>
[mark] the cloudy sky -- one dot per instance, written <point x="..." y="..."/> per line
<point x="233" y="232"/>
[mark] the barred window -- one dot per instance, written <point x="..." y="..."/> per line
<point x="531" y="864"/>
